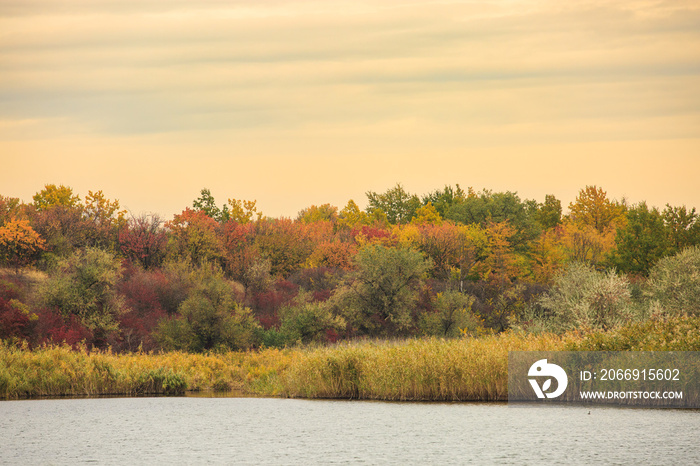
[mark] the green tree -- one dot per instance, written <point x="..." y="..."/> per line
<point x="683" y="227"/>
<point x="398" y="205"/>
<point x="451" y="316"/>
<point x="642" y="241"/>
<point x="488" y="207"/>
<point x="383" y="291"/>
<point x="548" y="214"/>
<point x="84" y="285"/>
<point x="206" y="203"/>
<point x="209" y="318"/>
<point x="444" y="199"/>
<point x="305" y="320"/>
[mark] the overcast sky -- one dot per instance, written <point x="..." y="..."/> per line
<point x="295" y="103"/>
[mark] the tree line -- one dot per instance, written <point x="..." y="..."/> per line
<point x="448" y="263"/>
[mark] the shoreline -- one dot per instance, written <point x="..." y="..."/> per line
<point x="420" y="370"/>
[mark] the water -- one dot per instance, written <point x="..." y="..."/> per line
<point x="282" y="431"/>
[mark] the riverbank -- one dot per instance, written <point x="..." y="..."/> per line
<point x="415" y="369"/>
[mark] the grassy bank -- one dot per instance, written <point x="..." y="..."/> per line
<point x="419" y="369"/>
<point x="60" y="371"/>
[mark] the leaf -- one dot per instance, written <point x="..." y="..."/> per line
<point x="546" y="385"/>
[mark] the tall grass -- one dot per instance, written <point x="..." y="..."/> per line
<point x="414" y="369"/>
<point x="427" y="369"/>
<point x="60" y="371"/>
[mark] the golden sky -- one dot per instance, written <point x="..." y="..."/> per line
<point x="295" y="103"/>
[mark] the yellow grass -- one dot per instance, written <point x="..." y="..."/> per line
<point x="414" y="369"/>
<point x="59" y="371"/>
<point x="425" y="369"/>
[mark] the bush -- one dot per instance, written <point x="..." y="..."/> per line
<point x="582" y="297"/>
<point x="210" y="318"/>
<point x="451" y="316"/>
<point x="674" y="283"/>
<point x="84" y="285"/>
<point x="306" y="321"/>
<point x="382" y="294"/>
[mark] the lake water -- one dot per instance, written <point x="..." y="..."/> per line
<point x="197" y="430"/>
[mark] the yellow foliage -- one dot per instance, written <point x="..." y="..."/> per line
<point x="243" y="211"/>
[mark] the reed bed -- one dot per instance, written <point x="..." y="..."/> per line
<point x="414" y="369"/>
<point x="61" y="371"/>
<point x="417" y="370"/>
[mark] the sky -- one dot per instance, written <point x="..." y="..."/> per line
<point x="298" y="103"/>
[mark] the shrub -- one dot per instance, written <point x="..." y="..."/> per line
<point x="210" y="318"/>
<point x="581" y="297"/>
<point x="451" y="316"/>
<point x="84" y="285"/>
<point x="382" y="293"/>
<point x="203" y="325"/>
<point x="307" y="321"/>
<point x="674" y="283"/>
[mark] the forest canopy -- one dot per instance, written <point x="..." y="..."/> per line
<point x="449" y="263"/>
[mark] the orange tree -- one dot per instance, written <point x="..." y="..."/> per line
<point x="19" y="243"/>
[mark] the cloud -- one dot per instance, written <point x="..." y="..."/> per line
<point x="611" y="68"/>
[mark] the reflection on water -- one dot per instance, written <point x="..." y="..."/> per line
<point x="282" y="431"/>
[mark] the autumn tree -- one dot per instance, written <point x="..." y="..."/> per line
<point x="84" y="285"/>
<point x="442" y="244"/>
<point x="324" y="212"/>
<point x="194" y="236"/>
<point x="240" y="252"/>
<point x="53" y="195"/>
<point x="142" y="240"/>
<point x="547" y="255"/>
<point x="593" y="208"/>
<point x="64" y="229"/>
<point x="19" y="244"/>
<point x="472" y="250"/>
<point x="584" y="243"/>
<point x="103" y="219"/>
<point x="243" y="211"/>
<point x="9" y="209"/>
<point x="427" y="215"/>
<point x="333" y="254"/>
<point x="502" y="263"/>
<point x="352" y="217"/>
<point x="285" y="243"/>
